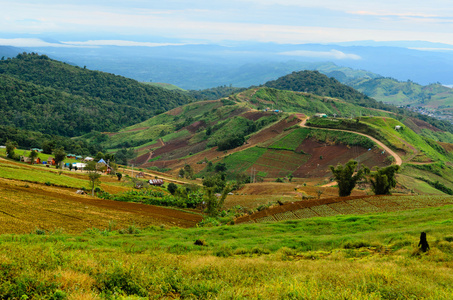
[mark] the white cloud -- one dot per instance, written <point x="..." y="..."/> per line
<point x="119" y="43"/>
<point x="29" y="42"/>
<point x="332" y="54"/>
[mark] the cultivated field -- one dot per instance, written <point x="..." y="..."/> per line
<point x="36" y="198"/>
<point x="352" y="205"/>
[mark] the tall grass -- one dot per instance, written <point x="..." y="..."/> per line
<point x="344" y="257"/>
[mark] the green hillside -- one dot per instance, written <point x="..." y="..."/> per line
<point x="45" y="95"/>
<point x="433" y="96"/>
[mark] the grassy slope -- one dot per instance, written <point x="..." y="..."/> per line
<point x="404" y="93"/>
<point x="352" y="257"/>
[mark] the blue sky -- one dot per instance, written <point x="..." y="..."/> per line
<point x="94" y="22"/>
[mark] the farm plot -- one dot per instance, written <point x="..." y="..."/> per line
<point x="324" y="210"/>
<point x="305" y="213"/>
<point x="288" y="215"/>
<point x="387" y="204"/>
<point x="410" y="202"/>
<point x="364" y="206"/>
<point x="292" y="141"/>
<point x="26" y="207"/>
<point x="337" y="206"/>
<point x="265" y="219"/>
<point x="344" y="208"/>
<point x="435" y="200"/>
<point x="241" y="161"/>
<point x="279" y="163"/>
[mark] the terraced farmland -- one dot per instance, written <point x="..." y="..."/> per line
<point x="344" y="206"/>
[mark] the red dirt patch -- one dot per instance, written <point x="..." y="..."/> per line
<point x="175" y="111"/>
<point x="193" y="128"/>
<point x="332" y="155"/>
<point x="422" y="124"/>
<point x="256" y="115"/>
<point x="25" y="208"/>
<point x="447" y="146"/>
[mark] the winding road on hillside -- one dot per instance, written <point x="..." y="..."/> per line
<point x="398" y="161"/>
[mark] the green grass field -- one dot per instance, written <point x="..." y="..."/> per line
<point x="292" y="140"/>
<point x="342" y="257"/>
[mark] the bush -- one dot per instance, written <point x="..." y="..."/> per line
<point x="231" y="142"/>
<point x="172" y="188"/>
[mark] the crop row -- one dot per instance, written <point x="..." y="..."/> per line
<point x="360" y="206"/>
<point x="305" y="213"/>
<point x="288" y="215"/>
<point x="266" y="219"/>
<point x="324" y="210"/>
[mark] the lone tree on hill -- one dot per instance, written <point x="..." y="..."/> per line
<point x="345" y="177"/>
<point x="384" y="179"/>
<point x="10" y="147"/>
<point x="33" y="155"/>
<point x="60" y="155"/>
<point x="93" y="176"/>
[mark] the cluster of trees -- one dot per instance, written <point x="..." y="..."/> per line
<point x="382" y="180"/>
<point x="319" y="84"/>
<point x="37" y="93"/>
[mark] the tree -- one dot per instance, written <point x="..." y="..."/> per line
<point x="188" y="171"/>
<point x="48" y="146"/>
<point x="10" y="147"/>
<point x="33" y="155"/>
<point x="214" y="204"/>
<point x="172" y="188"/>
<point x="220" y="167"/>
<point x="384" y="179"/>
<point x="345" y="177"/>
<point x="60" y="155"/>
<point x="93" y="176"/>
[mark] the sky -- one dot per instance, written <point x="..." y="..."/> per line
<point x="154" y="23"/>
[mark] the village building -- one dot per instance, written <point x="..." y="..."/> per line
<point x="51" y="161"/>
<point x="320" y="115"/>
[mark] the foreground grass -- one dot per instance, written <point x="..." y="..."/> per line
<point x="343" y="257"/>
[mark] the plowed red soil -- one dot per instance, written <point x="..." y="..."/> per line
<point x="25" y="207"/>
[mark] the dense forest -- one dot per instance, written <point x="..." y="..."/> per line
<point x="41" y="94"/>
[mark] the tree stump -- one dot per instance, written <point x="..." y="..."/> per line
<point x="423" y="244"/>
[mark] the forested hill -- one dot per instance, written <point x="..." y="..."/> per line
<point x="319" y="84"/>
<point x="76" y="100"/>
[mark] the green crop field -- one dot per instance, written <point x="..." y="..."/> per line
<point x="292" y="140"/>
<point x="241" y="161"/>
